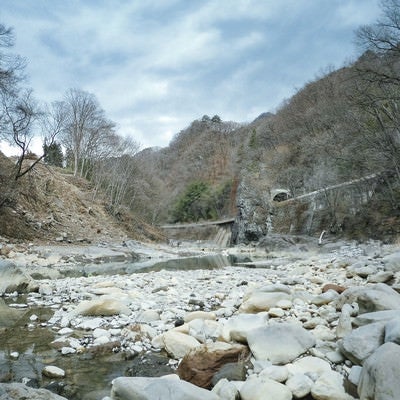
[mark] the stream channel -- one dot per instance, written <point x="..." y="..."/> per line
<point x="25" y="347"/>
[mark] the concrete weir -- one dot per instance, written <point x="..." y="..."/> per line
<point x="218" y="232"/>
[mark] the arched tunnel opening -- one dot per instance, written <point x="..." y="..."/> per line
<point x="281" y="195"/>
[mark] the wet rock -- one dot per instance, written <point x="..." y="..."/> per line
<point x="379" y="378"/>
<point x="53" y="372"/>
<point x="158" y="388"/>
<point x="200" y="364"/>
<point x="280" y="343"/>
<point x="15" y="279"/>
<point x="19" y="391"/>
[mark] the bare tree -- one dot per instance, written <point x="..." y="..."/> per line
<point x="85" y="122"/>
<point x="20" y="113"/>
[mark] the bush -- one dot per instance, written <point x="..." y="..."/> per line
<point x="200" y="201"/>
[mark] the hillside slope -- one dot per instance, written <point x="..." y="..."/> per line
<point x="49" y="205"/>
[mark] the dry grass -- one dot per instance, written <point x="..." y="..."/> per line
<point x="49" y="204"/>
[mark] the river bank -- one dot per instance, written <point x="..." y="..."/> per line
<point x="148" y="321"/>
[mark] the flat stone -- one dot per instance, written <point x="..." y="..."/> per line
<point x="237" y="327"/>
<point x="280" y="343"/>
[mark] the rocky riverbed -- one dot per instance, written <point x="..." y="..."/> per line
<point x="295" y="321"/>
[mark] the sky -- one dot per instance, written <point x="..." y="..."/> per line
<point x="157" y="65"/>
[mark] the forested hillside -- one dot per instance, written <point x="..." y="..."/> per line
<point x="343" y="125"/>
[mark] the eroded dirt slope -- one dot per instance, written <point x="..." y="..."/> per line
<point x="49" y="205"/>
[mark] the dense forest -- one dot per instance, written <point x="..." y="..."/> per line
<point x="342" y="125"/>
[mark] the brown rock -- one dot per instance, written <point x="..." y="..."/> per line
<point x="331" y="286"/>
<point x="200" y="364"/>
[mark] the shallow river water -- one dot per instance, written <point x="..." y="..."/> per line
<point x="88" y="375"/>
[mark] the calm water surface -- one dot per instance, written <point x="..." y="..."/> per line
<point x="88" y="375"/>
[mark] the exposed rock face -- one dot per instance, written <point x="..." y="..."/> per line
<point x="251" y="222"/>
<point x="200" y="364"/>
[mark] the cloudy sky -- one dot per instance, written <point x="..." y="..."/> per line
<point x="156" y="65"/>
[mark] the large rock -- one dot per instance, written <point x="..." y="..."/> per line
<point x="261" y="388"/>
<point x="362" y="342"/>
<point x="380" y="374"/>
<point x="139" y="388"/>
<point x="300" y="385"/>
<point x="237" y="327"/>
<point x="204" y="329"/>
<point x="392" y="262"/>
<point x="309" y="365"/>
<point x="102" y="306"/>
<point x="226" y="390"/>
<point x="330" y="386"/>
<point x="199" y="365"/>
<point x="378" y="316"/>
<point x="14" y="279"/>
<point x="280" y="343"/>
<point x="19" y="391"/>
<point x="265" y="297"/>
<point x="392" y="331"/>
<point x="376" y="297"/>
<point x="178" y="344"/>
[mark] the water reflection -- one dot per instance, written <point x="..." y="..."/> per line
<point x="150" y="265"/>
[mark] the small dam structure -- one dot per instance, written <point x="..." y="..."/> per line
<point x="218" y="232"/>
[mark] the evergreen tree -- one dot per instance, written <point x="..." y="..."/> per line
<point x="53" y="154"/>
